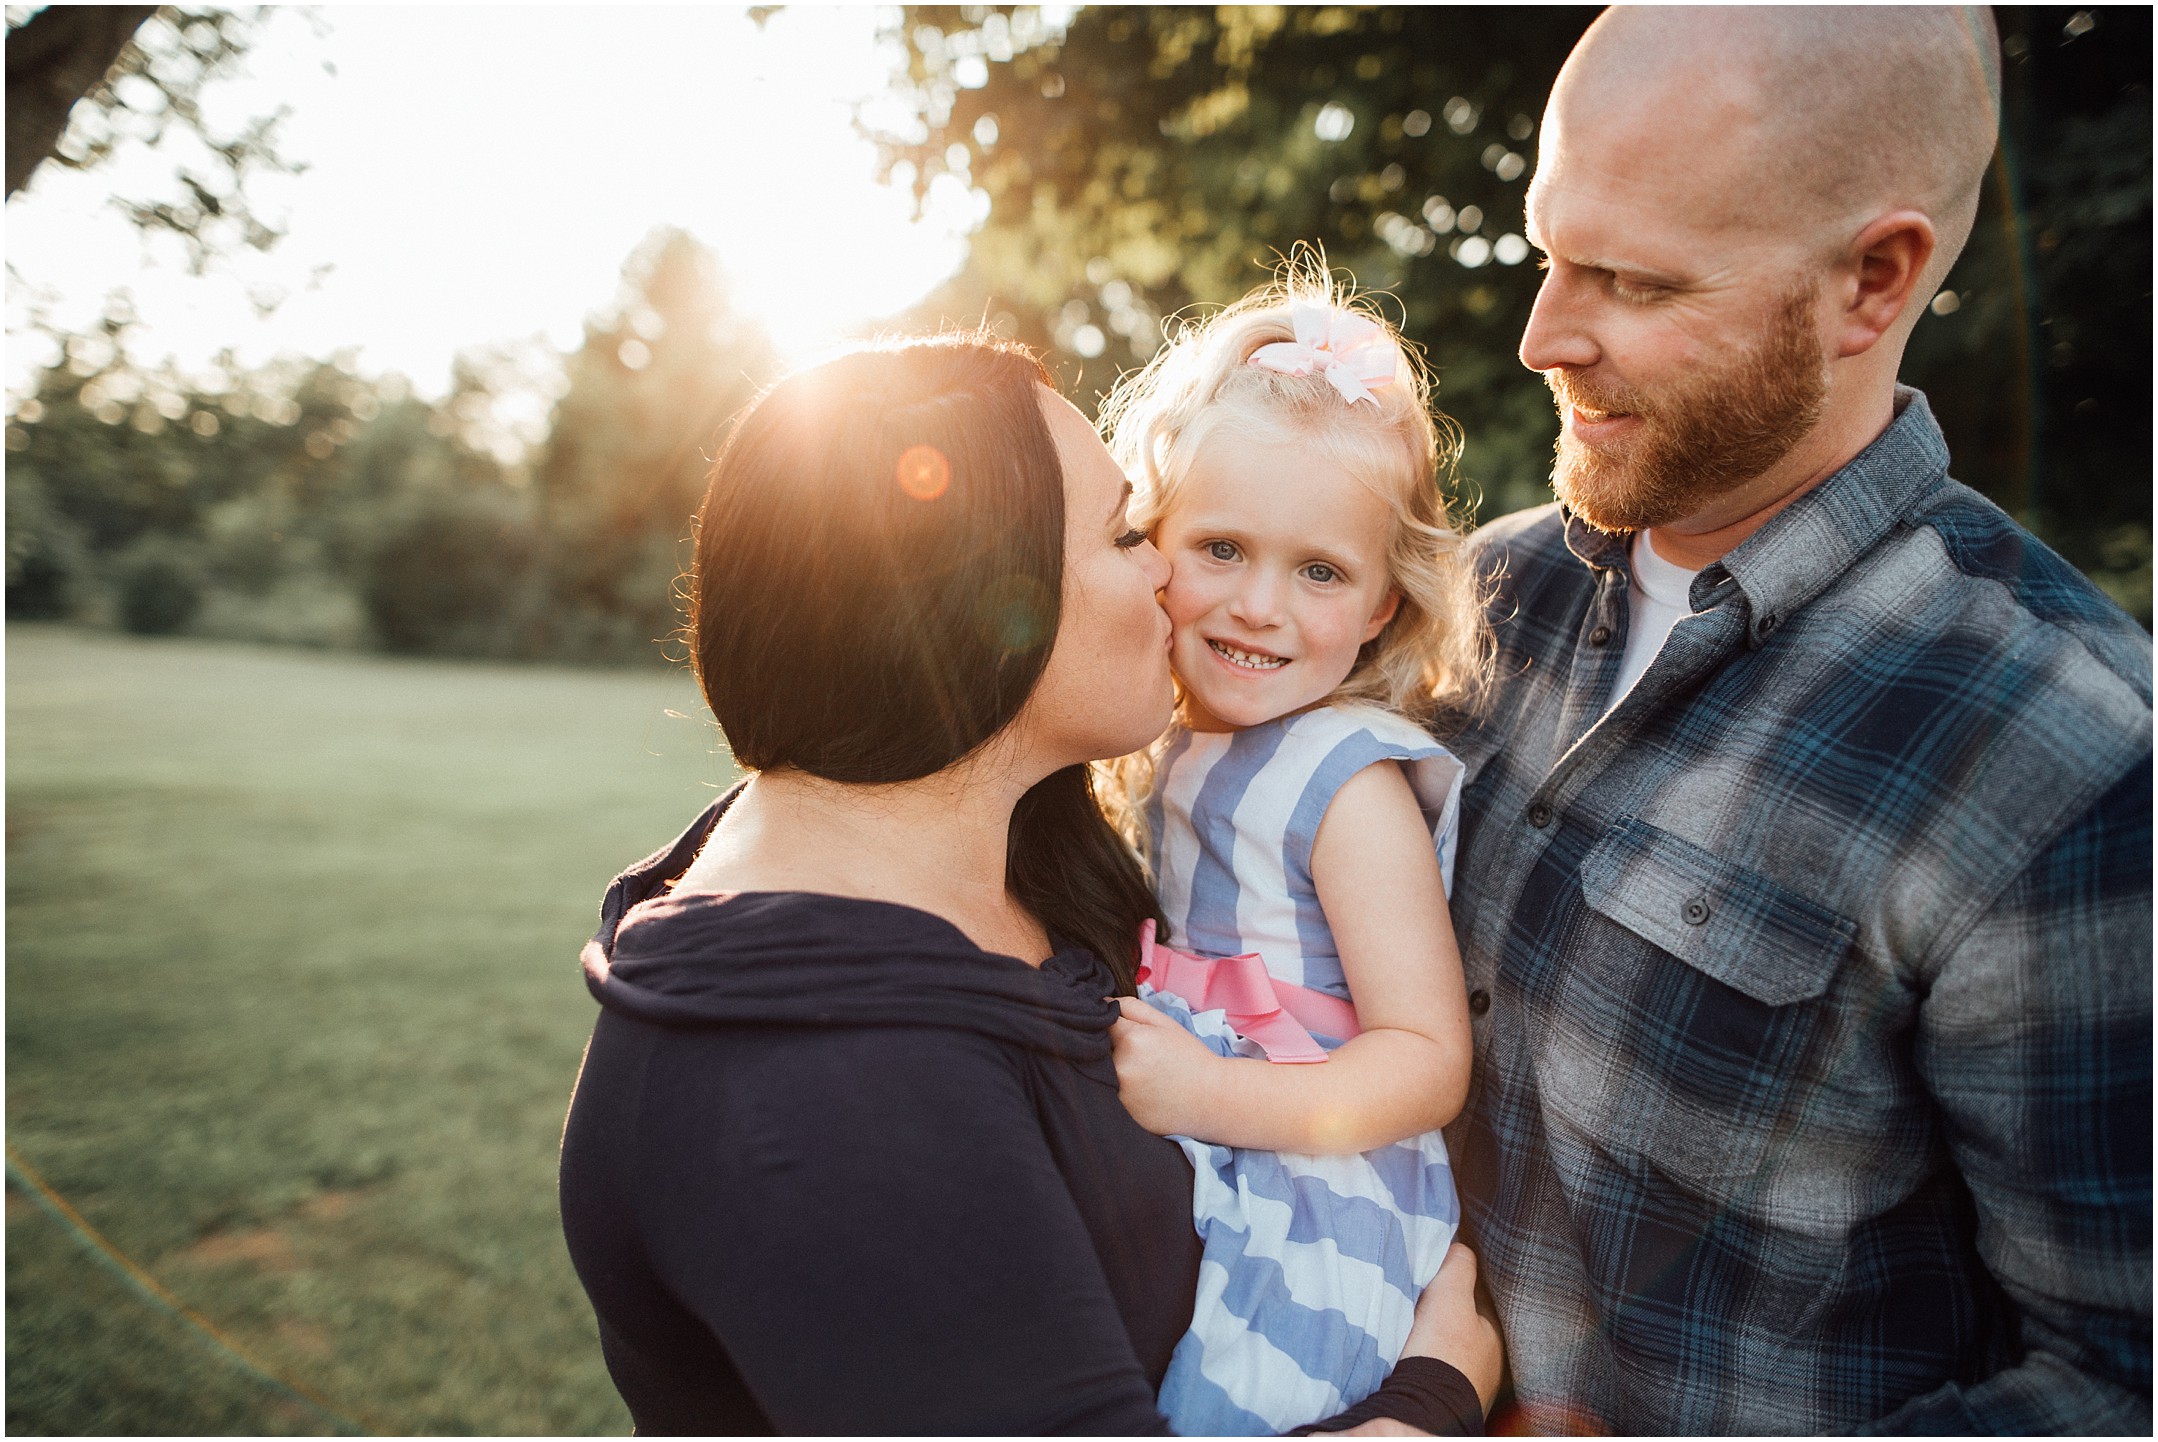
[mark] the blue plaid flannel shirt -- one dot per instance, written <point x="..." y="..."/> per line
<point x="1811" y="985"/>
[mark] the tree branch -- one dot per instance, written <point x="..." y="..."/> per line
<point x="53" y="59"/>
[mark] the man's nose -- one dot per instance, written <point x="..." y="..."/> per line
<point x="1557" y="334"/>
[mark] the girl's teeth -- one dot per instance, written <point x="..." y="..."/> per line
<point x="1246" y="659"/>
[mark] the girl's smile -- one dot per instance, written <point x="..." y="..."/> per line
<point x="1278" y="578"/>
<point x="1248" y="660"/>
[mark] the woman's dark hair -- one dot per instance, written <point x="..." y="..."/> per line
<point x="880" y="559"/>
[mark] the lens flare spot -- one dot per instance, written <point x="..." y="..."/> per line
<point x="1013" y="613"/>
<point x="924" y="473"/>
<point x="1331" y="1131"/>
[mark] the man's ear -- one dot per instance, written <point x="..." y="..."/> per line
<point x="1883" y="266"/>
<point x="1382" y="615"/>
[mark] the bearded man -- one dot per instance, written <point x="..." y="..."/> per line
<point x="1805" y="884"/>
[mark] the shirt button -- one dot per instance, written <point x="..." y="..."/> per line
<point x="1601" y="636"/>
<point x="1539" y="815"/>
<point x="1479" y="1002"/>
<point x="1696" y="911"/>
<point x="1764" y="626"/>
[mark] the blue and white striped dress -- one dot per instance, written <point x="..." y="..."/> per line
<point x="1311" y="1265"/>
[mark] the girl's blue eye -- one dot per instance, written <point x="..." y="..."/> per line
<point x="1321" y="572"/>
<point x="1221" y="550"/>
<point x="1130" y="539"/>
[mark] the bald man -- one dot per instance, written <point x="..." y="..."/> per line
<point x="1805" y="884"/>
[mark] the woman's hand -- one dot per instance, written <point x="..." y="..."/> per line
<point x="1163" y="1072"/>
<point x="1451" y="1327"/>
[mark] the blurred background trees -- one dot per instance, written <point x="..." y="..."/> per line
<point x="539" y="510"/>
<point x="632" y="439"/>
<point x="1151" y="159"/>
<point x="83" y="79"/>
<point x="1135" y="162"/>
<point x="1142" y="160"/>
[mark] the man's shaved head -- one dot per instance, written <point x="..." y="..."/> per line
<point x="1743" y="213"/>
<point x="1813" y="120"/>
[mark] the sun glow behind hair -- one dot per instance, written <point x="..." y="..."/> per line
<point x="479" y="174"/>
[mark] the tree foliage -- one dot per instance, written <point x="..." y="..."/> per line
<point x="2041" y="373"/>
<point x="1141" y="160"/>
<point x="1153" y="158"/>
<point x="54" y="57"/>
<point x="303" y="501"/>
<point x="85" y="79"/>
<point x="633" y="436"/>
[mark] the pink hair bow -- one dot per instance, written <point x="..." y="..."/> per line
<point x="1353" y="352"/>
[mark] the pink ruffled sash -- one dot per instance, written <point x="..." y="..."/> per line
<point x="1279" y="1015"/>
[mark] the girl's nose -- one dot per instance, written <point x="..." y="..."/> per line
<point x="1258" y="601"/>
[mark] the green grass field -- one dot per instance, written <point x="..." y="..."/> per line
<point x="293" y="1012"/>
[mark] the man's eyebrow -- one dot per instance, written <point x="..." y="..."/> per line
<point x="1610" y="265"/>
<point x="1631" y="269"/>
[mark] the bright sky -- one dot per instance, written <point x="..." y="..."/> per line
<point x="479" y="174"/>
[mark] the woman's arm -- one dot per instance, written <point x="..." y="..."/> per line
<point x="1408" y="1072"/>
<point x="871" y="1225"/>
<point x="1455" y="1354"/>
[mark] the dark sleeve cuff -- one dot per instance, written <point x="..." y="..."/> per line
<point x="1423" y="1392"/>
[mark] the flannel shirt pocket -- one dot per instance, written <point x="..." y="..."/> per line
<point x="1723" y="920"/>
<point x="1713" y="975"/>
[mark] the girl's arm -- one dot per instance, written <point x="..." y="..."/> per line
<point x="1378" y="881"/>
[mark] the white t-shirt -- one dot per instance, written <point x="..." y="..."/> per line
<point x="1655" y="598"/>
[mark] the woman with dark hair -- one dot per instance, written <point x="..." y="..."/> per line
<point x="846" y="1155"/>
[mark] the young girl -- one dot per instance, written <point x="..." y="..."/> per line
<point x="1300" y="823"/>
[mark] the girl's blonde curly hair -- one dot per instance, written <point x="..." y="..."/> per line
<point x="1432" y="663"/>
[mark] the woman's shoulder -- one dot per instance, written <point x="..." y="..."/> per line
<point x="809" y="960"/>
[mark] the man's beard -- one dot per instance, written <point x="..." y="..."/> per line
<point x="1702" y="438"/>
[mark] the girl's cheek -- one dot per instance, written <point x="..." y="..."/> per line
<point x="1180" y="599"/>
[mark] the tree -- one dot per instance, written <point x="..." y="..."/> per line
<point x="2036" y="358"/>
<point x="1142" y="159"/>
<point x="302" y="501"/>
<point x="633" y="436"/>
<point x="1147" y="159"/>
<point x="84" y="78"/>
<point x="54" y="58"/>
<point x="134" y="493"/>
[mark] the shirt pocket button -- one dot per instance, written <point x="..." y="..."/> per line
<point x="1695" y="911"/>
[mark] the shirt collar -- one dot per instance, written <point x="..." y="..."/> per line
<point x="1809" y="543"/>
<point x="1805" y="546"/>
<point x="1600" y="550"/>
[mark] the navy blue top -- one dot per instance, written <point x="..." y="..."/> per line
<point x="832" y="1168"/>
